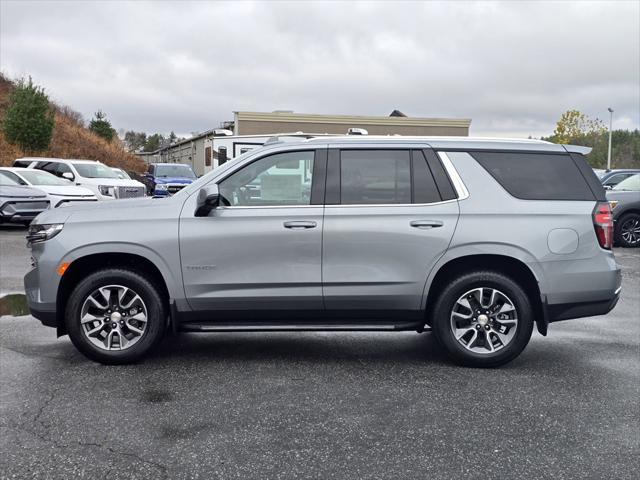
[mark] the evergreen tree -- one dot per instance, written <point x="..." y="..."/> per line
<point x="29" y="119"/>
<point x="102" y="127"/>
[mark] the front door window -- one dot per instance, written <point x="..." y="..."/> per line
<point x="281" y="179"/>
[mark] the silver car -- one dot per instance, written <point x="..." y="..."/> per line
<point x="477" y="240"/>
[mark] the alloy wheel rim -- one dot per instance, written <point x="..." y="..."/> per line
<point x="630" y="231"/>
<point x="484" y="320"/>
<point x="113" y="317"/>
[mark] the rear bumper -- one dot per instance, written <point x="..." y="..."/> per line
<point x="566" y="311"/>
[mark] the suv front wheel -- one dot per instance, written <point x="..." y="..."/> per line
<point x="115" y="316"/>
<point x="483" y="319"/>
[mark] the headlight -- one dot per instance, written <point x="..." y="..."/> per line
<point x="161" y="186"/>
<point x="42" y="232"/>
<point x="106" y="190"/>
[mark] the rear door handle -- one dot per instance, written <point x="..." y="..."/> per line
<point x="426" y="224"/>
<point x="300" y="225"/>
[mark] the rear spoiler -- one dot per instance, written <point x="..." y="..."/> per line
<point x="577" y="149"/>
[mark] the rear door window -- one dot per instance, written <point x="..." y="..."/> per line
<point x="536" y="176"/>
<point x="375" y="177"/>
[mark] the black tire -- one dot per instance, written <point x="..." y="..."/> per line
<point x="444" y="305"/>
<point x="148" y="292"/>
<point x="628" y="220"/>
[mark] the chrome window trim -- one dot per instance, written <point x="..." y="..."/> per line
<point x="458" y="184"/>
<point x="262" y="207"/>
<point x="359" y="205"/>
<point x="393" y="204"/>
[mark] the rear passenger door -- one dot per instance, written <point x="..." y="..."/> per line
<point x="389" y="215"/>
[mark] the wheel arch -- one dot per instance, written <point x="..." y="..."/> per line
<point x="512" y="266"/>
<point x="80" y="267"/>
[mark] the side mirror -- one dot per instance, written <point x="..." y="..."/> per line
<point x="607" y="187"/>
<point x="208" y="198"/>
<point x="68" y="176"/>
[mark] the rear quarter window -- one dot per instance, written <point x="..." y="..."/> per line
<point x="536" y="176"/>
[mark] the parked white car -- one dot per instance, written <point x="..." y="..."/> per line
<point x="96" y="176"/>
<point x="59" y="190"/>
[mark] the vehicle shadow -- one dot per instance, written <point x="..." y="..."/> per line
<point x="408" y="347"/>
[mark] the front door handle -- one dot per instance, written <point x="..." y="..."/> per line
<point x="426" y="224"/>
<point x="300" y="225"/>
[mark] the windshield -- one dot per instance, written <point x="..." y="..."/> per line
<point x="94" y="170"/>
<point x="39" y="177"/>
<point x="629" y="184"/>
<point x="122" y="174"/>
<point x="8" y="178"/>
<point x="170" y="170"/>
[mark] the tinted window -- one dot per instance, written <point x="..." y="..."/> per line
<point x="94" y="170"/>
<point x="50" y="167"/>
<point x="447" y="192"/>
<point x="63" y="168"/>
<point x="173" y="170"/>
<point x="616" y="179"/>
<point x="22" y="163"/>
<point x="375" y="177"/>
<point x="424" y="187"/>
<point x="629" y="184"/>
<point x="8" y="178"/>
<point x="536" y="176"/>
<point x="37" y="177"/>
<point x="281" y="179"/>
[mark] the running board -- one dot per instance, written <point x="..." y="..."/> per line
<point x="358" y="327"/>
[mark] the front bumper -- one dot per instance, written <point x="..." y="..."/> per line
<point x="21" y="211"/>
<point x="43" y="311"/>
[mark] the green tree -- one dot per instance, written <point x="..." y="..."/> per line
<point x="575" y="128"/>
<point x="102" y="127"/>
<point x="135" y="140"/>
<point x="154" y="142"/>
<point x="29" y="119"/>
<point x="575" y="124"/>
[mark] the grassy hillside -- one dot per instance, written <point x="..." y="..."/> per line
<point x="70" y="139"/>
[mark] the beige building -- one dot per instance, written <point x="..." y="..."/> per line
<point x="258" y="123"/>
<point x="209" y="149"/>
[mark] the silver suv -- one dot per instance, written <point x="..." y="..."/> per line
<point x="475" y="239"/>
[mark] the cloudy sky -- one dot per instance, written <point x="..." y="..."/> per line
<point x="512" y="68"/>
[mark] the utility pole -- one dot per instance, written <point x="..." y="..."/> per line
<point x="610" y="127"/>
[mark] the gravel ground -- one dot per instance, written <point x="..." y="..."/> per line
<point x="321" y="405"/>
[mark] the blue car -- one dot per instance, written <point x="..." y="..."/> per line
<point x="165" y="179"/>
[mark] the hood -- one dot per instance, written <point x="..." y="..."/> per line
<point x="66" y="190"/>
<point x="111" y="182"/>
<point x="181" y="180"/>
<point x="124" y="209"/>
<point x="16" y="191"/>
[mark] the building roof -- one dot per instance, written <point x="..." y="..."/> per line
<point x="351" y="120"/>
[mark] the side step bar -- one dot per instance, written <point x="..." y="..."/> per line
<point x="320" y="327"/>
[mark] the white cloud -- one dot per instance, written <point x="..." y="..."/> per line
<point x="184" y="66"/>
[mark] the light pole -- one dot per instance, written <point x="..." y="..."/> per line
<point x="610" y="126"/>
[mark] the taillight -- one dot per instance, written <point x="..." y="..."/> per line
<point x="603" y="223"/>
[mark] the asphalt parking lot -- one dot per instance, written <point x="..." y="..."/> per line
<point x="321" y="405"/>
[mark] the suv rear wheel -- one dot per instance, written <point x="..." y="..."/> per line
<point x="115" y="316"/>
<point x="483" y="319"/>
